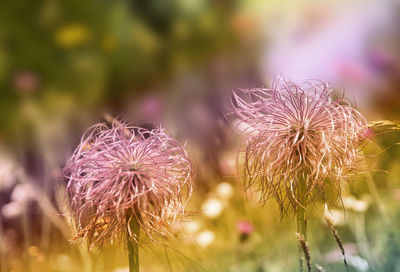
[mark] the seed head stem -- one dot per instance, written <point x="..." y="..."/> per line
<point x="302" y="220"/>
<point x="133" y="246"/>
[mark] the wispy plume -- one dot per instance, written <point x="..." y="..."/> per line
<point x="297" y="131"/>
<point x="122" y="173"/>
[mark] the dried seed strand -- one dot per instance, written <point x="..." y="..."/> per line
<point x="306" y="250"/>
<point x="337" y="239"/>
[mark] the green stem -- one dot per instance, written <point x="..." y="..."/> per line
<point x="133" y="246"/>
<point x="302" y="220"/>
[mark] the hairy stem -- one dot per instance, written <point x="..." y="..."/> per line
<point x="133" y="245"/>
<point x="302" y="221"/>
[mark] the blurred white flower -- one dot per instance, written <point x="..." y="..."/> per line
<point x="224" y="190"/>
<point x="12" y="209"/>
<point x="205" y="238"/>
<point x="358" y="262"/>
<point x="191" y="227"/>
<point x="22" y="193"/>
<point x="336" y="216"/>
<point x="354" y="204"/>
<point x="212" y="208"/>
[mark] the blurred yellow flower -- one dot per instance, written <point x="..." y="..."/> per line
<point x="109" y="43"/>
<point x="144" y="38"/>
<point x="72" y="35"/>
<point x="34" y="251"/>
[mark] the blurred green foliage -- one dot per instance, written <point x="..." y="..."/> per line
<point x="98" y="52"/>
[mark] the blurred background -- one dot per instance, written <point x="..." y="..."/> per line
<point x="64" y="64"/>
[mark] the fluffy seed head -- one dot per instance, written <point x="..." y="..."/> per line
<point x="125" y="173"/>
<point x="297" y="130"/>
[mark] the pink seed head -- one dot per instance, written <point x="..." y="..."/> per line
<point x="297" y="130"/>
<point x="124" y="172"/>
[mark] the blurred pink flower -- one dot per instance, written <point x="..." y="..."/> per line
<point x="244" y="227"/>
<point x="12" y="209"/>
<point x="23" y="193"/>
<point x="127" y="173"/>
<point x="297" y="129"/>
<point x="351" y="71"/>
<point x="151" y="108"/>
<point x="26" y="81"/>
